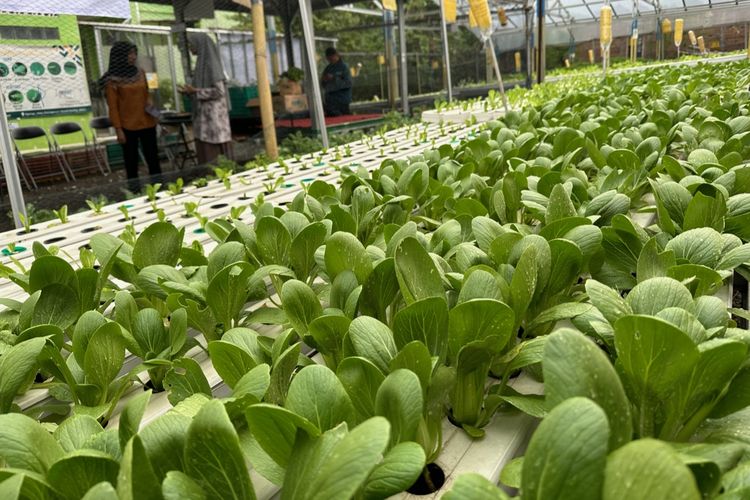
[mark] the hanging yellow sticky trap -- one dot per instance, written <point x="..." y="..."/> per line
<point x="666" y="26"/>
<point x="678" y="26"/>
<point x="481" y="12"/>
<point x="591" y="56"/>
<point x="567" y="62"/>
<point x="435" y="64"/>
<point x="605" y="26"/>
<point x="701" y="45"/>
<point x="390" y="5"/>
<point x="472" y="20"/>
<point x="502" y="17"/>
<point x="449" y="11"/>
<point x="693" y="40"/>
<point x="381" y="59"/>
<point x="517" y="56"/>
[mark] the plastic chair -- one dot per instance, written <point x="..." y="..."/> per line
<point x="98" y="124"/>
<point x="22" y="134"/>
<point x="66" y="129"/>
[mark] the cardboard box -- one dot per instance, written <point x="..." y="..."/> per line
<point x="288" y="87"/>
<point x="290" y="103"/>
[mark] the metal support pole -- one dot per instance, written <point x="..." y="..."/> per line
<point x="12" y="180"/>
<point x="529" y="24"/>
<point x="305" y="12"/>
<point x="540" y="42"/>
<point x="173" y="74"/>
<point x="491" y="48"/>
<point x="275" y="66"/>
<point x="264" y="87"/>
<point x="99" y="50"/>
<point x="446" y="52"/>
<point x="289" y="42"/>
<point x="402" y="53"/>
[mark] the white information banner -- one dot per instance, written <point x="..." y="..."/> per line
<point x="37" y="81"/>
<point x="100" y="8"/>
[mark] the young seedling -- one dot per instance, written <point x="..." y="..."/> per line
<point x="27" y="221"/>
<point x="191" y="208"/>
<point x="259" y="202"/>
<point x="236" y="212"/>
<point x="87" y="258"/>
<point x="151" y="192"/>
<point x="347" y="151"/>
<point x="97" y="204"/>
<point x="62" y="214"/>
<point x="201" y="182"/>
<point x="161" y="215"/>
<point x="176" y="187"/>
<point x="124" y="211"/>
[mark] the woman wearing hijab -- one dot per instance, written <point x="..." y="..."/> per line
<point x="131" y="111"/>
<point x="213" y="134"/>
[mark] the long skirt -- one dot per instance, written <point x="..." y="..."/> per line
<point x="208" y="153"/>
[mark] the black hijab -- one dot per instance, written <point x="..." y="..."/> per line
<point x="118" y="63"/>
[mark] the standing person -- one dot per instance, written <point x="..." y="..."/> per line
<point x="337" y="82"/>
<point x="131" y="112"/>
<point x="211" y="128"/>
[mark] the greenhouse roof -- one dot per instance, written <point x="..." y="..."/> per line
<point x="566" y="12"/>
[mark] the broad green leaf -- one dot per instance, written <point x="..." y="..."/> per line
<point x="225" y="255"/>
<point x="339" y="467"/>
<point x="136" y="479"/>
<point x="275" y="429"/>
<point x="180" y="486"/>
<point x="698" y="246"/>
<point x="567" y="454"/>
<point x="418" y="277"/>
<point x="373" y="341"/>
<point x="474" y="486"/>
<point x="50" y="270"/>
<point x="79" y="471"/>
<point x="18" y="365"/>
<point x="648" y="469"/>
<point x="399" y="399"/>
<point x="104" y="356"/>
<point x="485" y="231"/>
<point x="213" y="456"/>
<point x="149" y="332"/>
<point x="361" y="380"/>
<point x="737" y="396"/>
<point x="380" y="289"/>
<point x="75" y="431"/>
<point x="415" y="357"/>
<point x="130" y="418"/>
<point x="575" y="367"/>
<point x="274" y="241"/>
<point x="481" y="284"/>
<point x="425" y="320"/>
<point x="560" y="206"/>
<point x="301" y="305"/>
<point x="479" y="319"/>
<point x="159" y="243"/>
<point x="344" y="252"/>
<point x="398" y="471"/>
<point x="654" y="356"/>
<point x="706" y="209"/>
<point x="184" y="379"/>
<point x="164" y="442"/>
<point x="227" y="293"/>
<point x="559" y="312"/>
<point x="656" y="294"/>
<point x="57" y="305"/>
<point x="523" y="285"/>
<point x="317" y="395"/>
<point x="652" y="263"/>
<point x="101" y="491"/>
<point x="302" y="253"/>
<point x="87" y="325"/>
<point x="566" y="266"/>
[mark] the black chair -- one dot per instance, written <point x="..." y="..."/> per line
<point x="22" y="134"/>
<point x="102" y="124"/>
<point x="69" y="128"/>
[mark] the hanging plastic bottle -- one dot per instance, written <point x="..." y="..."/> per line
<point x="502" y="17"/>
<point x="678" y="27"/>
<point x="693" y="40"/>
<point x="701" y="45"/>
<point x="517" y="56"/>
<point x="591" y="56"/>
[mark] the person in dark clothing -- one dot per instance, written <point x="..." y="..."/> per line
<point x="131" y="111"/>
<point x="337" y="84"/>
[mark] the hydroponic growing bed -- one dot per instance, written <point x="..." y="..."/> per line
<point x="404" y="313"/>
